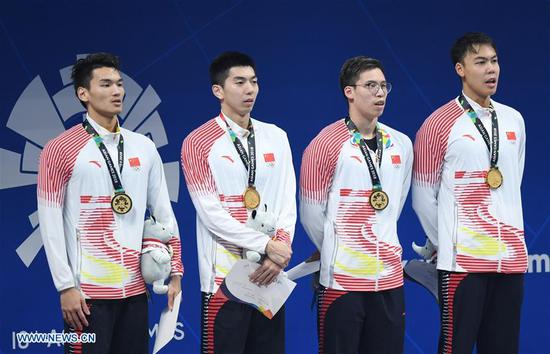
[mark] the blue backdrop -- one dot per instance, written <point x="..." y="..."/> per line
<point x="166" y="46"/>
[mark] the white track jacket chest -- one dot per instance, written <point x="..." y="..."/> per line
<point x="359" y="247"/>
<point x="476" y="229"/>
<point x="217" y="178"/>
<point x="88" y="246"/>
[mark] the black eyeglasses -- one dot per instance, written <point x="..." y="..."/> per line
<point x="374" y="86"/>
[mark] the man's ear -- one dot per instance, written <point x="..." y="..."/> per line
<point x="82" y="94"/>
<point x="348" y="92"/>
<point x="217" y="90"/>
<point x="459" y="68"/>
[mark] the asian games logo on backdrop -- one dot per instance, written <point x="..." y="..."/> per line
<point x="39" y="117"/>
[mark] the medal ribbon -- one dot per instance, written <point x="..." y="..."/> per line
<point x="358" y="139"/>
<point x="249" y="160"/>
<point x="117" y="183"/>
<point x="492" y="145"/>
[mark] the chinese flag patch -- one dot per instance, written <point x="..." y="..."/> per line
<point x="269" y="157"/>
<point x="511" y="135"/>
<point x="134" y="162"/>
<point x="396" y="159"/>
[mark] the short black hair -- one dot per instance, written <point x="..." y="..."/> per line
<point x="219" y="68"/>
<point x="466" y="44"/>
<point x="354" y="67"/>
<point x="83" y="69"/>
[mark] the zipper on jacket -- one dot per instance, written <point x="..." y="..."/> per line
<point x="78" y="259"/>
<point x="499" y="267"/>
<point x="121" y="227"/>
<point x="377" y="264"/>
<point x="122" y="264"/>
<point x="213" y="257"/>
<point x="334" y="252"/>
<point x="455" y="236"/>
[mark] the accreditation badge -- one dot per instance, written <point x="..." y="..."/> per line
<point x="121" y="203"/>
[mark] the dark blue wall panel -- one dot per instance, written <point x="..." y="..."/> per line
<point x="299" y="47"/>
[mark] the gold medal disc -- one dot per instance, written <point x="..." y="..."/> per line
<point x="379" y="200"/>
<point x="494" y="178"/>
<point x="251" y="198"/>
<point x="121" y="203"/>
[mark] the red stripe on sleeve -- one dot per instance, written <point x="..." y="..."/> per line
<point x="430" y="145"/>
<point x="319" y="162"/>
<point x="57" y="163"/>
<point x="176" y="264"/>
<point x="194" y="158"/>
<point x="282" y="235"/>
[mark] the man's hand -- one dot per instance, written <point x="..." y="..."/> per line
<point x="279" y="252"/>
<point x="74" y="307"/>
<point x="266" y="273"/>
<point x="174" y="288"/>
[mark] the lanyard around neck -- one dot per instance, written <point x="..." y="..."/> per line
<point x="249" y="160"/>
<point x="359" y="140"/>
<point x="115" y="178"/>
<point x="492" y="144"/>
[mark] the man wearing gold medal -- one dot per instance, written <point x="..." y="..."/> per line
<point x="469" y="159"/>
<point x="95" y="183"/>
<point x="354" y="180"/>
<point x="234" y="164"/>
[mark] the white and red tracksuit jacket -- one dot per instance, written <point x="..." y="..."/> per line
<point x="359" y="247"/>
<point x="217" y="178"/>
<point x="87" y="245"/>
<point x="476" y="229"/>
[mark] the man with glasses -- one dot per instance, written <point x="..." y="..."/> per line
<point x="469" y="158"/>
<point x="354" y="180"/>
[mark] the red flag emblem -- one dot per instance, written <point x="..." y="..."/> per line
<point x="134" y="162"/>
<point x="396" y="159"/>
<point x="511" y="135"/>
<point x="269" y="157"/>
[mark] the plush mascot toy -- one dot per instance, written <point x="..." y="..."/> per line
<point x="260" y="220"/>
<point x="428" y="251"/>
<point x="156" y="255"/>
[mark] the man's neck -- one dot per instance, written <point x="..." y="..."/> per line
<point x="109" y="123"/>
<point x="365" y="125"/>
<point x="483" y="101"/>
<point x="239" y="119"/>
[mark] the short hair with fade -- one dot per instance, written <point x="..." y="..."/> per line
<point x="467" y="43"/>
<point x="82" y="71"/>
<point x="354" y="67"/>
<point x="219" y="68"/>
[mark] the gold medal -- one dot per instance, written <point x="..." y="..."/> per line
<point x="251" y="198"/>
<point x="379" y="200"/>
<point x="121" y="203"/>
<point x="494" y="178"/>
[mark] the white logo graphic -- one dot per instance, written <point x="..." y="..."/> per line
<point x="21" y="340"/>
<point x="39" y="117"/>
<point x="539" y="263"/>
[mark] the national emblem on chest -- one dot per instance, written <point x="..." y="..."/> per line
<point x="466" y="143"/>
